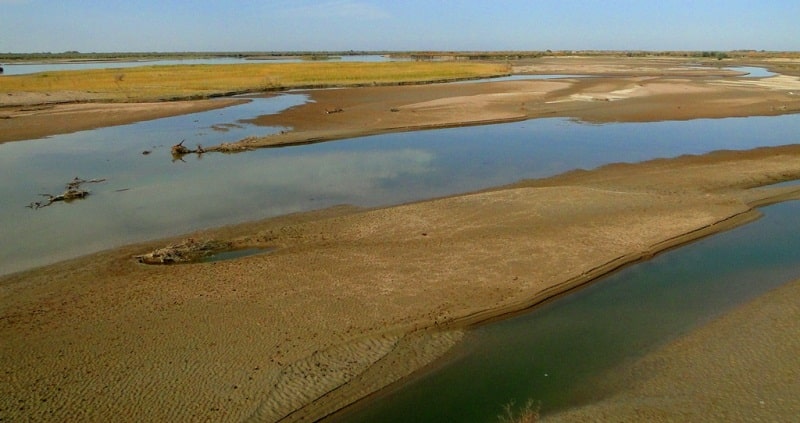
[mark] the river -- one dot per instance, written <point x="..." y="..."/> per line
<point x="569" y="351"/>
<point x="150" y="196"/>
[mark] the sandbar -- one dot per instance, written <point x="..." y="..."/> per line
<point x="40" y="116"/>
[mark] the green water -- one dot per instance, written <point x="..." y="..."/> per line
<point x="564" y="353"/>
<point x="234" y="254"/>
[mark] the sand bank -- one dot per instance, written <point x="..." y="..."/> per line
<point x="349" y="300"/>
<point x="743" y="367"/>
<point x="35" y="117"/>
<point x="616" y="90"/>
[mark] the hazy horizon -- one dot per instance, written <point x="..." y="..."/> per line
<point x="35" y="26"/>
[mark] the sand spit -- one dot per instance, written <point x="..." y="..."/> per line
<point x="349" y="300"/>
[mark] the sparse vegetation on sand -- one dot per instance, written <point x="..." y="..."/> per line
<point x="527" y="414"/>
<point x="157" y="83"/>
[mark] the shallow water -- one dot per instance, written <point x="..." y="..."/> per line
<point x="564" y="353"/>
<point x="235" y="254"/>
<point x="150" y="196"/>
<point x="753" y="71"/>
<point x="26" y="68"/>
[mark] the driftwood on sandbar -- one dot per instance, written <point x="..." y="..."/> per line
<point x="73" y="191"/>
<point x="179" y="150"/>
<point x="188" y="251"/>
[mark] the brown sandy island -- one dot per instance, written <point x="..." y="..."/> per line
<point x="614" y="91"/>
<point x="349" y="300"/>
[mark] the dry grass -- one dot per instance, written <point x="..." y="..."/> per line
<point x="527" y="414"/>
<point x="153" y="83"/>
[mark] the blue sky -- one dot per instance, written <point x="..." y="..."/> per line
<point x="334" y="25"/>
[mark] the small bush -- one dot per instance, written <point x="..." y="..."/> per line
<point x="527" y="414"/>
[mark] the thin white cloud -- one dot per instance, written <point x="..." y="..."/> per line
<point x="340" y="9"/>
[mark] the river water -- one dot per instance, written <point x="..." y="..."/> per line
<point x="569" y="351"/>
<point x="149" y="196"/>
<point x="34" y="67"/>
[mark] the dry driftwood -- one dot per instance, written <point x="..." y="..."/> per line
<point x="73" y="191"/>
<point x="190" y="250"/>
<point x="179" y="150"/>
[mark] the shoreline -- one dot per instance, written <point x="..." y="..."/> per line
<point x="732" y="368"/>
<point x="32" y="122"/>
<point x="298" y="332"/>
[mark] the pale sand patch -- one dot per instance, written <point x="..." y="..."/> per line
<point x="779" y="82"/>
<point x="349" y="300"/>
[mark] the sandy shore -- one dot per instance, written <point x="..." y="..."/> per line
<point x="742" y="367"/>
<point x="349" y="300"/>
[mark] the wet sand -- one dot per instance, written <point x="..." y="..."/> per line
<point x="351" y="300"/>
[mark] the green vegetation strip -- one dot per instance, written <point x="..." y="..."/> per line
<point x="156" y="83"/>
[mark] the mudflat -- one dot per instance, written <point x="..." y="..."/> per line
<point x="345" y="300"/>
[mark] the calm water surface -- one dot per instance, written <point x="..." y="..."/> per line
<point x="152" y="196"/>
<point x="753" y="71"/>
<point x="25" y="68"/>
<point x="565" y="353"/>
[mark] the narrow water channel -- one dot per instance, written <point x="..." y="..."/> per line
<point x="563" y="354"/>
<point x="149" y="196"/>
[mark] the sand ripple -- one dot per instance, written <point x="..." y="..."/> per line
<point x="322" y="383"/>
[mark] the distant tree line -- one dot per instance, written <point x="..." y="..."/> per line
<point x="413" y="55"/>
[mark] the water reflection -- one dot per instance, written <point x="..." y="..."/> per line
<point x="149" y="196"/>
<point x="752" y="71"/>
<point x="564" y="353"/>
<point x="25" y="68"/>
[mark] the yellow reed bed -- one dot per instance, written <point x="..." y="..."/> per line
<point x="152" y="83"/>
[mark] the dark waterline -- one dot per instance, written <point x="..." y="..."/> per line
<point x="150" y="196"/>
<point x="564" y="353"/>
